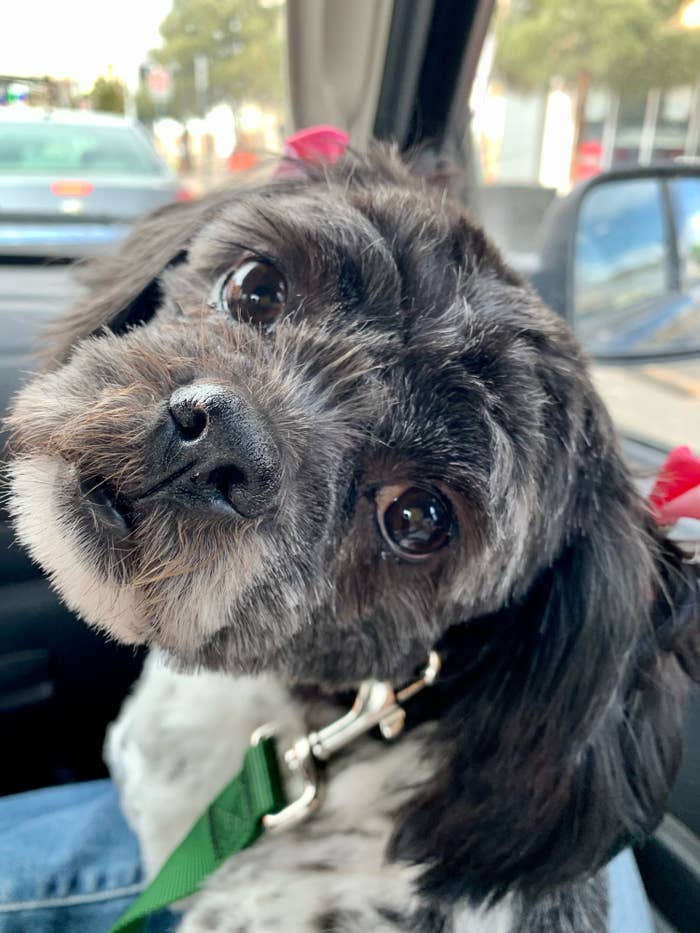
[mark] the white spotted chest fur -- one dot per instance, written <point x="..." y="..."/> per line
<point x="181" y="737"/>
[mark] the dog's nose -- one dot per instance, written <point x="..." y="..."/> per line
<point x="227" y="450"/>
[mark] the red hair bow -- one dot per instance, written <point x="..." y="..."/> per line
<point x="676" y="492"/>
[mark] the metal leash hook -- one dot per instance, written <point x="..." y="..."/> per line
<point x="376" y="704"/>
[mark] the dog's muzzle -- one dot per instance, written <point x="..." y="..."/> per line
<point x="212" y="452"/>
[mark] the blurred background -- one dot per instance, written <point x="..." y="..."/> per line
<point x="563" y="91"/>
<point x="567" y="90"/>
<point x="206" y="78"/>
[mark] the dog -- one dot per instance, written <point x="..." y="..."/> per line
<point x="299" y="435"/>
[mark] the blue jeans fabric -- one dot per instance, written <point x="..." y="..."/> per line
<point x="68" y="861"/>
<point x="70" y="864"/>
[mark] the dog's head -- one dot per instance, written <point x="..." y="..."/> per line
<point x="308" y="425"/>
<point x="319" y="426"/>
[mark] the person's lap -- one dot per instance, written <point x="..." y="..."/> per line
<point x="69" y="862"/>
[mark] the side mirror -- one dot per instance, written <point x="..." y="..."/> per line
<point x="620" y="259"/>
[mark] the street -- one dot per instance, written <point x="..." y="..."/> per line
<point x="658" y="402"/>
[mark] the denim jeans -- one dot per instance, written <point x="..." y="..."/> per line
<point x="68" y="861"/>
<point x="70" y="864"/>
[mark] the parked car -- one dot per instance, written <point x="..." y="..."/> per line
<point x="71" y="180"/>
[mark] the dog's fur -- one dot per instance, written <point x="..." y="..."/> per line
<point x="568" y="627"/>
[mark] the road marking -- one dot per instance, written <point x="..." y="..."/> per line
<point x="686" y="384"/>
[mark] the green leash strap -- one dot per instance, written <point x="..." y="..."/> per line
<point x="231" y="823"/>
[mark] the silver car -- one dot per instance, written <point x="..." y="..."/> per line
<point x="72" y="180"/>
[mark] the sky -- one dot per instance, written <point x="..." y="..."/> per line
<point x="78" y="38"/>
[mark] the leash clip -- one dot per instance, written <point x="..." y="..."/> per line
<point x="376" y="704"/>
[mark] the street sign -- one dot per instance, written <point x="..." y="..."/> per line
<point x="160" y="84"/>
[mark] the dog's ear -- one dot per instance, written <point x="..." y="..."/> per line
<point x="122" y="285"/>
<point x="560" y="715"/>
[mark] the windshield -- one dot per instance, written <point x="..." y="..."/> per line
<point x="68" y="149"/>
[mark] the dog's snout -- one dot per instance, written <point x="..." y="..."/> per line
<point x="227" y="451"/>
<point x="190" y="416"/>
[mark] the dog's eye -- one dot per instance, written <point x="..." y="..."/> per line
<point x="415" y="521"/>
<point x="255" y="291"/>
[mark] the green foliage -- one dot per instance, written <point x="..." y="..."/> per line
<point x="107" y="94"/>
<point x="242" y="41"/>
<point x="621" y="44"/>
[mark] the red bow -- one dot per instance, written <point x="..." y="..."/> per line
<point x="314" y="144"/>
<point x="676" y="492"/>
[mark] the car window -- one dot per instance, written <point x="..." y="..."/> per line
<point x="563" y="93"/>
<point x="47" y="148"/>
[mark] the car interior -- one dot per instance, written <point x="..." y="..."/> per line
<point x="399" y="71"/>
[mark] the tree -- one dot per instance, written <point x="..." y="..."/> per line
<point x="107" y="94"/>
<point x="242" y="41"/>
<point x="615" y="44"/>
